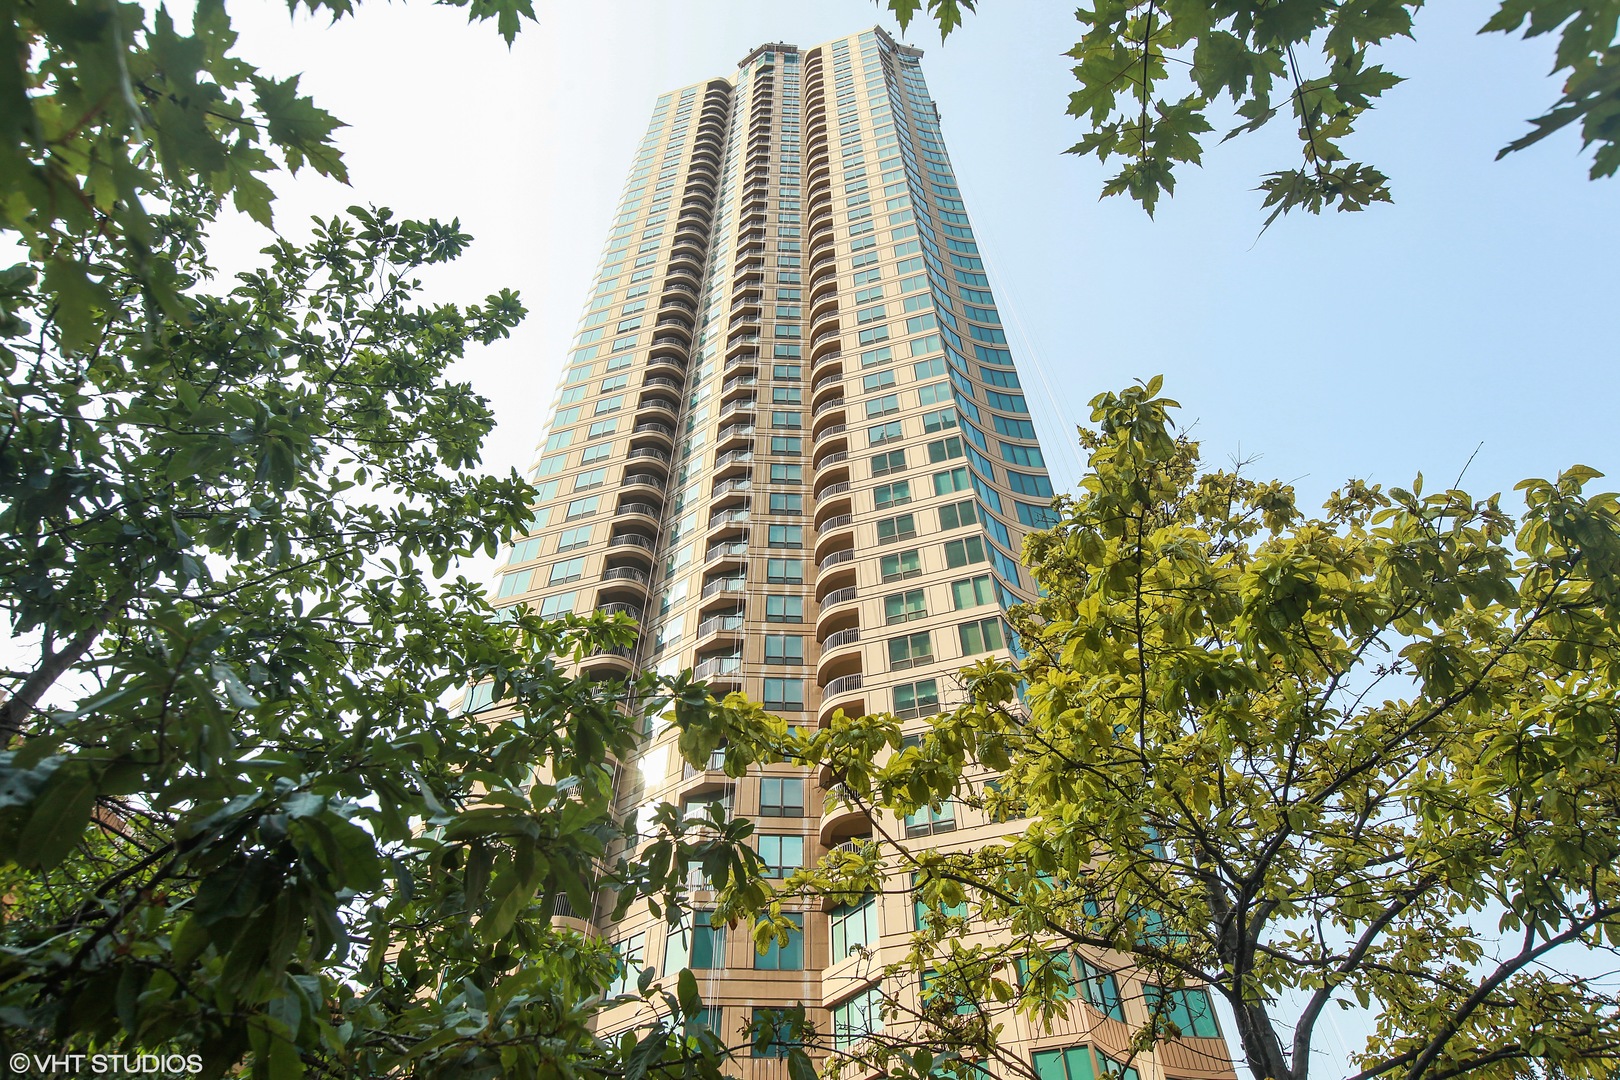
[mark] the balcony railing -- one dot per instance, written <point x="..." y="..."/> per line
<point x="625" y="573"/>
<point x="725" y="584"/>
<point x="843" y="637"/>
<point x="844" y="685"/>
<point x="720" y="623"/>
<point x="837" y="596"/>
<point x="832" y="489"/>
<point x="645" y="509"/>
<point x="832" y="459"/>
<point x="834" y="523"/>
<point x="835" y="558"/>
<point x="631" y="540"/>
<point x="718" y="665"/>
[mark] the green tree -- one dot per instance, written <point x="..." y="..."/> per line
<point x="1151" y="75"/>
<point x="247" y="826"/>
<point x="1366" y="757"/>
<point x="236" y="819"/>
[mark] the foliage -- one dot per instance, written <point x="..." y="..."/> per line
<point x="257" y="832"/>
<point x="1366" y="757"/>
<point x="1152" y="71"/>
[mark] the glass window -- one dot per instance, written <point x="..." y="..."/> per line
<point x="781" y="796"/>
<point x="888" y="462"/>
<point x="785" y="536"/>
<point x="787" y="371"/>
<point x="1189" y="1010"/>
<point x="928" y="820"/>
<point x="594" y="453"/>
<point x="900" y="527"/>
<point x="857" y="1018"/>
<point x="910" y="650"/>
<point x="981" y="636"/>
<point x="962" y="552"/>
<point x="779" y="957"/>
<point x="787" y="474"/>
<point x="895" y="494"/>
<point x="920" y="698"/>
<point x="513" y="584"/>
<point x="786" y="444"/>
<point x="853" y="926"/>
<point x="577" y="537"/>
<point x="954" y="480"/>
<point x="906" y="564"/>
<point x="696" y="943"/>
<point x="882" y="406"/>
<point x="590" y="479"/>
<point x="784" y="649"/>
<point x="904" y="607"/>
<point x="561" y="604"/>
<point x="784" y="609"/>
<point x="781" y="854"/>
<point x="956" y="515"/>
<point x="945" y="449"/>
<point x="630" y="954"/>
<point x="566" y="571"/>
<point x="1101" y="991"/>
<point x="773" y="1040"/>
<point x="972" y="592"/>
<point x="783" y="503"/>
<point x="882" y="433"/>
<point x="785" y="420"/>
<point x="784" y="694"/>
<point x="582" y="507"/>
<point x="784" y="571"/>
<point x="786" y="395"/>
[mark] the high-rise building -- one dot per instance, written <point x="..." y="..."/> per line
<point x="792" y="443"/>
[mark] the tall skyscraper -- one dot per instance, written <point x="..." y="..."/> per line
<point x="791" y="441"/>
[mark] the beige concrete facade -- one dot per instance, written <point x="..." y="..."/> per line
<point x="792" y="443"/>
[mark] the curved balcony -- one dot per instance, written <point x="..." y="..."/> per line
<point x="741" y="342"/>
<point x="828" y="461"/>
<point x="647" y="511"/>
<point x="829" y="414"/>
<point x="831" y="380"/>
<point x="631" y="574"/>
<point x="841" y="822"/>
<point x="733" y="462"/>
<point x="826" y="345"/>
<point x="652" y="482"/>
<point x="650" y="405"/>
<point x="624" y="584"/>
<point x="660" y="382"/>
<point x="743" y="362"/>
<point x="840" y="487"/>
<point x="843" y="693"/>
<point x="835" y="558"/>
<point x="633" y="543"/>
<point x="836" y="435"/>
<point x="652" y="430"/>
<point x="824" y="289"/>
<point x="741" y="409"/>
<point x="838" y="576"/>
<point x="833" y="533"/>
<point x="632" y="610"/>
<point x="648" y="454"/>
<point x="608" y="663"/>
<point x="719" y="666"/>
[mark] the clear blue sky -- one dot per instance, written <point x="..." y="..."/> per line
<point x="1480" y="310"/>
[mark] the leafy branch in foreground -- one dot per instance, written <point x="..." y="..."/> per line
<point x="1363" y="757"/>
<point x="1151" y="71"/>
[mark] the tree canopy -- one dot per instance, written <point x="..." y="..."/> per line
<point x="237" y="819"/>
<point x="1151" y="74"/>
<point x="1310" y="761"/>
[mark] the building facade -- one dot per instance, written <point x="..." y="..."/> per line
<point x="792" y="443"/>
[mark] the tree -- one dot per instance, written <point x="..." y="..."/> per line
<point x="1361" y="758"/>
<point x="1298" y="58"/>
<point x="236" y="819"/>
